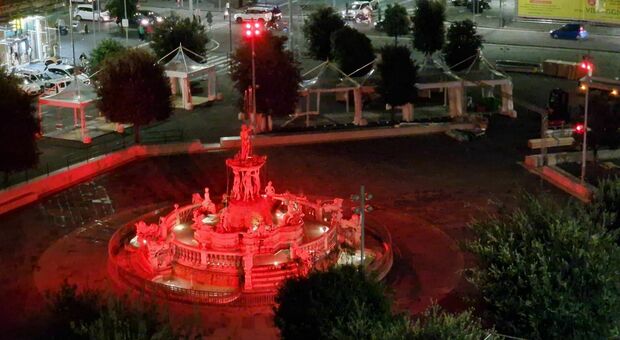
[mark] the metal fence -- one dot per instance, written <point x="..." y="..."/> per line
<point x="87" y="153"/>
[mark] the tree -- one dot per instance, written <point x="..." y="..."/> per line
<point x="352" y="51"/>
<point x="106" y="48"/>
<point x="463" y="45"/>
<point x="398" y="73"/>
<point x="328" y="303"/>
<point x="318" y="29"/>
<point x="133" y="89"/>
<point x="428" y="27"/>
<point x="547" y="273"/>
<point x="396" y="21"/>
<point x="19" y="128"/>
<point x="174" y="31"/>
<point x="277" y="74"/>
<point x="437" y="324"/>
<point x="117" y="9"/>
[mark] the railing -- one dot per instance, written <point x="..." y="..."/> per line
<point x="202" y="258"/>
<point x="84" y="153"/>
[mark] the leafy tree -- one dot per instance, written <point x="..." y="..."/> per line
<point x="105" y="48"/>
<point x="117" y="8"/>
<point x="398" y="74"/>
<point x="277" y="74"/>
<point x="318" y="29"/>
<point x="547" y="273"/>
<point x="428" y="27"/>
<point x="352" y="51"/>
<point x="174" y="31"/>
<point x="396" y="21"/>
<point x="363" y="325"/>
<point x="463" y="44"/>
<point x="339" y="301"/>
<point x="133" y="89"/>
<point x="435" y="323"/>
<point x="18" y="146"/>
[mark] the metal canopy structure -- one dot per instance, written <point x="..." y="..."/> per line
<point x="328" y="78"/>
<point x="182" y="69"/>
<point x="75" y="96"/>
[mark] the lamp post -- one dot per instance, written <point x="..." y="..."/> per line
<point x="252" y="31"/>
<point x="126" y="23"/>
<point x="587" y="65"/>
<point x="363" y="208"/>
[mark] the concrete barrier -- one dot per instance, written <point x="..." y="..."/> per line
<point x="568" y="183"/>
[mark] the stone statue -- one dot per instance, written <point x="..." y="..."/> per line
<point x="196" y="199"/>
<point x="269" y="189"/>
<point x="147" y="232"/>
<point x="207" y="195"/>
<point x="236" y="189"/>
<point x="352" y="230"/>
<point x="256" y="182"/>
<point x="207" y="205"/>
<point x="248" y="190"/>
<point x="246" y="144"/>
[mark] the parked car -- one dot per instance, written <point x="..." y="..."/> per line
<point x="85" y="12"/>
<point x="147" y="18"/>
<point x="260" y="14"/>
<point x="52" y="83"/>
<point x="358" y="8"/>
<point x="31" y="87"/>
<point x="570" y="31"/>
<point x="66" y="70"/>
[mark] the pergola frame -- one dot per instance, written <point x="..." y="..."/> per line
<point x="77" y="97"/>
<point x="183" y="69"/>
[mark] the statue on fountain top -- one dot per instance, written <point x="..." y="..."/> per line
<point x="246" y="143"/>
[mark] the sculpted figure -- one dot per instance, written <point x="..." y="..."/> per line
<point x="196" y="199"/>
<point x="246" y="145"/>
<point x="256" y="182"/>
<point x="236" y="190"/>
<point x="269" y="189"/>
<point x="248" y="190"/>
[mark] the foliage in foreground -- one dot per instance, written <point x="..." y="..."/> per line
<point x="398" y="74"/>
<point x="133" y="89"/>
<point x="18" y="147"/>
<point x="546" y="273"/>
<point x="352" y="51"/>
<point x="106" y="48"/>
<point x="428" y="26"/>
<point x="340" y="301"/>
<point x="463" y="45"/>
<point x="438" y="324"/>
<point x="605" y="205"/>
<point x="175" y="31"/>
<point x="86" y="315"/>
<point x="117" y="8"/>
<point x="277" y="75"/>
<point x="318" y="29"/>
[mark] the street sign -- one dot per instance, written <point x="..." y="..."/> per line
<point x="125" y="23"/>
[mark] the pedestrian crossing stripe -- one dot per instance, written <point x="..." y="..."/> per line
<point x="220" y="62"/>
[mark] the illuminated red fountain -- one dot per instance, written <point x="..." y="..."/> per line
<point x="238" y="251"/>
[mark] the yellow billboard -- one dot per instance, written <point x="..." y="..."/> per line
<point x="607" y="11"/>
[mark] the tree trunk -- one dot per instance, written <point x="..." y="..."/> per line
<point x="136" y="133"/>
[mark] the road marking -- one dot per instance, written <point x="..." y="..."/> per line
<point x="220" y="62"/>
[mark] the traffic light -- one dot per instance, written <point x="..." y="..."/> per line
<point x="252" y="30"/>
<point x="579" y="128"/>
<point x="586" y="64"/>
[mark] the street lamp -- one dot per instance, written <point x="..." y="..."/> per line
<point x="363" y="208"/>
<point x="586" y="64"/>
<point x="253" y="31"/>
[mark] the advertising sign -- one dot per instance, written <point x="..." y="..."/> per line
<point x="607" y="11"/>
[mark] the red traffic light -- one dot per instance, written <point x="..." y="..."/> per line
<point x="579" y="129"/>
<point x="252" y="30"/>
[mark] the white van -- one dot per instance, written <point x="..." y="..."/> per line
<point x="85" y="12"/>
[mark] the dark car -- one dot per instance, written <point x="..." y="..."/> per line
<point x="479" y="5"/>
<point x="569" y="31"/>
<point x="146" y="18"/>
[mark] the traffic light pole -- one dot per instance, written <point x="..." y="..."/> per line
<point x="253" y="117"/>
<point x="584" y="150"/>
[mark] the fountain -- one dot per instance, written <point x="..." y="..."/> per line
<point x="237" y="251"/>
